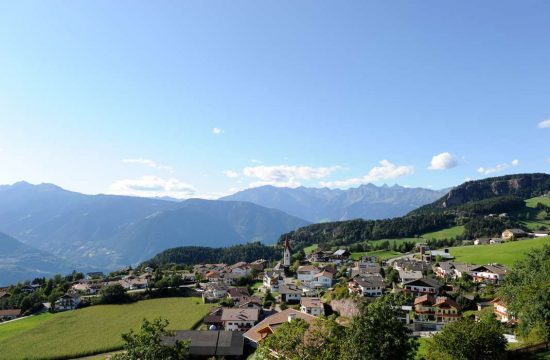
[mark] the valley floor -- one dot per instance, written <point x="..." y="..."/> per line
<point x="92" y="330"/>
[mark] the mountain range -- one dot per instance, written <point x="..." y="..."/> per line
<point x="107" y="231"/>
<point x="19" y="261"/>
<point x="49" y="229"/>
<point x="324" y="204"/>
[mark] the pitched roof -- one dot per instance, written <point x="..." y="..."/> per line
<point x="10" y="312"/>
<point x="311" y="302"/>
<point x="516" y="231"/>
<point x="308" y="268"/>
<point x="240" y="314"/>
<point x="274" y="320"/>
<point x="370" y="281"/>
<point x="209" y="343"/>
<point x="427" y="281"/>
<point x="289" y="289"/>
<point x="325" y="274"/>
<point x="494" y="268"/>
<point x="238" y="292"/>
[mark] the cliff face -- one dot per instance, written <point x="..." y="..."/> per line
<point x="522" y="185"/>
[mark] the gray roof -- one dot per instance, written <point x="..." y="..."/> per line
<point x="370" y="281"/>
<point x="428" y="281"/>
<point x="210" y="343"/>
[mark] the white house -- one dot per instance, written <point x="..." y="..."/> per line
<point x="67" y="302"/>
<point x="323" y="279"/>
<point x="312" y="306"/>
<point x="273" y="280"/>
<point x="500" y="309"/>
<point x="307" y="273"/>
<point x="239" y="319"/>
<point x="290" y="293"/>
<point x="371" y="286"/>
<point x="493" y="273"/>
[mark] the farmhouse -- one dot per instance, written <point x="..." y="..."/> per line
<point x="340" y="256"/>
<point x="513" y="234"/>
<point x="312" y="306"/>
<point x="239" y="319"/>
<point x="267" y="326"/>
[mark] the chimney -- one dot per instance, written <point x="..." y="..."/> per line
<point x="291" y="317"/>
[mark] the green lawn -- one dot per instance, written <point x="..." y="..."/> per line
<point x="381" y="254"/>
<point x="414" y="240"/>
<point x="450" y="233"/>
<point x="532" y="203"/>
<point x="506" y="253"/>
<point x="94" y="329"/>
<point x="308" y="250"/>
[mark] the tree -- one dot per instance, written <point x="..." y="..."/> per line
<point x="467" y="339"/>
<point x="377" y="333"/>
<point x="284" y="343"/>
<point x="114" y="294"/>
<point x="148" y="345"/>
<point x="322" y="340"/>
<point x="526" y="292"/>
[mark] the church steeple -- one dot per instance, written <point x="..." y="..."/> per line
<point x="286" y="253"/>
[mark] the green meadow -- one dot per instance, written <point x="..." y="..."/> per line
<point x="449" y="233"/>
<point x="92" y="330"/>
<point x="381" y="254"/>
<point x="507" y="253"/>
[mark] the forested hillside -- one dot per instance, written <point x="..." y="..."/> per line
<point x="191" y="255"/>
<point x="472" y="203"/>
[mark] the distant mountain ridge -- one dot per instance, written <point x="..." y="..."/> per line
<point x="324" y="204"/>
<point x="108" y="231"/>
<point x="19" y="261"/>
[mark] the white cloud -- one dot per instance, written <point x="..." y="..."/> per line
<point x="147" y="162"/>
<point x="152" y="186"/>
<point x="544" y="124"/>
<point x="231" y="174"/>
<point x="497" y="168"/>
<point x="216" y="131"/>
<point x="286" y="175"/>
<point x="385" y="171"/>
<point x="255" y="161"/>
<point x="442" y="161"/>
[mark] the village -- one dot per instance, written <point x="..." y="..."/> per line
<point x="250" y="300"/>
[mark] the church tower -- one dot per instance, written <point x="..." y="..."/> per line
<point x="286" y="254"/>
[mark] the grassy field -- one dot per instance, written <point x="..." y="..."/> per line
<point x="382" y="254"/>
<point x="506" y="253"/>
<point x="94" y="329"/>
<point x="532" y="203"/>
<point x="308" y="250"/>
<point x="414" y="240"/>
<point x="450" y="233"/>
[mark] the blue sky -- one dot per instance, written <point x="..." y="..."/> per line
<point x="203" y="98"/>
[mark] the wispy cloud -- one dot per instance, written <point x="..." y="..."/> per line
<point x="442" y="161"/>
<point x="216" y="131"/>
<point x="286" y="175"/>
<point x="152" y="186"/>
<point x="544" y="124"/>
<point x="497" y="168"/>
<point x="385" y="171"/>
<point x="231" y="174"/>
<point x="255" y="161"/>
<point x="147" y="162"/>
